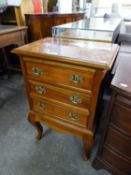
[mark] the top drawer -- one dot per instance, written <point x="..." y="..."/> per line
<point x="61" y="74"/>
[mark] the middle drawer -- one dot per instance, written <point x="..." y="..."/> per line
<point x="43" y="90"/>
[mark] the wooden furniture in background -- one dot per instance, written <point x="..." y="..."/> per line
<point x="46" y="21"/>
<point x="45" y="6"/>
<point x="26" y="7"/>
<point x="114" y="153"/>
<point x="8" y="16"/>
<point x="51" y="5"/>
<point x="15" y="15"/>
<point x="63" y="81"/>
<point x="11" y="35"/>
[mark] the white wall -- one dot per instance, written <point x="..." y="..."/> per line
<point x="65" y="5"/>
<point x="103" y="3"/>
<point x="105" y="6"/>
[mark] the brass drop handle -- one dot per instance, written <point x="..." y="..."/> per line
<point x="75" y="99"/>
<point x="37" y="71"/>
<point x="74" y="116"/>
<point x="40" y="89"/>
<point x="77" y="79"/>
<point x="42" y="105"/>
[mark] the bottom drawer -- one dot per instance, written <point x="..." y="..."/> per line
<point x="118" y="141"/>
<point x="67" y="113"/>
<point x="116" y="161"/>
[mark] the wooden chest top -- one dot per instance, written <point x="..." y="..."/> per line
<point x="122" y="80"/>
<point x="85" y="53"/>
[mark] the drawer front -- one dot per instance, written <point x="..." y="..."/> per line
<point x="67" y="113"/>
<point x="119" y="142"/>
<point x="117" y="161"/>
<point x="121" y="117"/>
<point x="60" y="75"/>
<point x="43" y="90"/>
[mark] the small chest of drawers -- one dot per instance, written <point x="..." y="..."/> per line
<point x="63" y="79"/>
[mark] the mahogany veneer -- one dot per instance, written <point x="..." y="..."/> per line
<point x="40" y="25"/>
<point x="114" y="151"/>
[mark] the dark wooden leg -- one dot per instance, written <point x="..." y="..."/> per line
<point x="37" y="125"/>
<point x="97" y="164"/>
<point x="87" y="143"/>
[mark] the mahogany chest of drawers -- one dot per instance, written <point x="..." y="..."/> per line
<point x="114" y="151"/>
<point x="45" y="22"/>
<point x="63" y="79"/>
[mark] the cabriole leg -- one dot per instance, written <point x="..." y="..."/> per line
<point x="37" y="125"/>
<point x="87" y="143"/>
